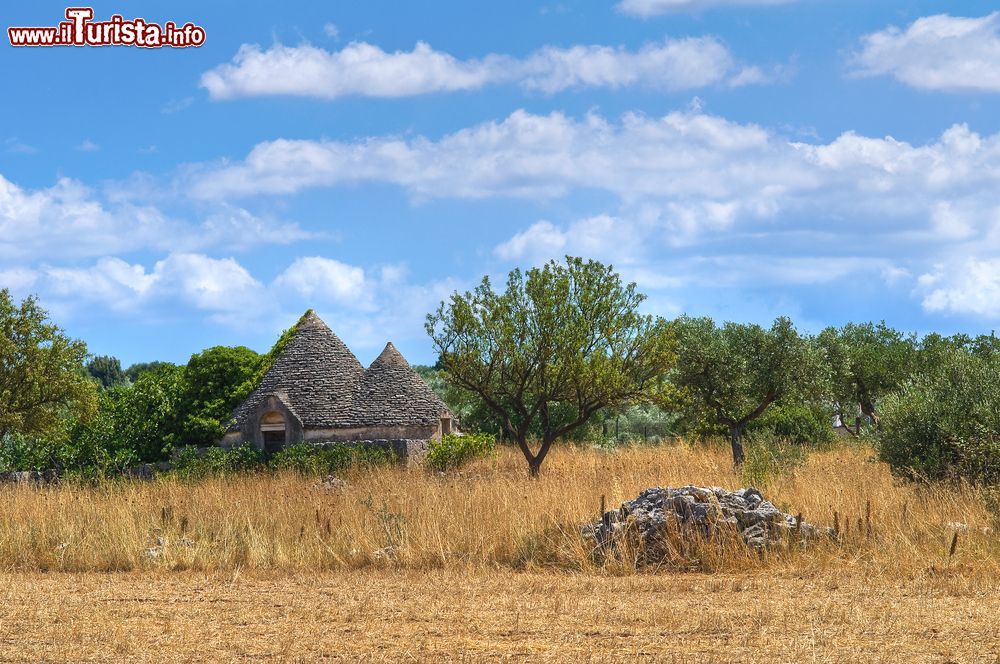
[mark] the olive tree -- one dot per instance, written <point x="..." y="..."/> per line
<point x="558" y="344"/>
<point x="107" y="370"/>
<point x="43" y="382"/>
<point x="867" y="363"/>
<point x="732" y="374"/>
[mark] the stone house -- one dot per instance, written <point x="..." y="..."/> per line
<point x="316" y="391"/>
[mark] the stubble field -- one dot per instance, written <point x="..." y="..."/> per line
<point x="402" y="564"/>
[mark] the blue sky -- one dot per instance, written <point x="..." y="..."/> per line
<point x="830" y="160"/>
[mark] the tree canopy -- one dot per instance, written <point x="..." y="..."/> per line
<point x="139" y="368"/>
<point x="214" y="382"/>
<point x="42" y="377"/>
<point x="867" y="362"/>
<point x="558" y="344"/>
<point x="732" y="374"/>
<point x="107" y="370"/>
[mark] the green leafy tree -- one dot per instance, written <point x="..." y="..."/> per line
<point x="139" y="368"/>
<point x="731" y="375"/>
<point x="560" y="343"/>
<point x="107" y="370"/>
<point x="133" y="424"/>
<point x="867" y="362"/>
<point x="166" y="407"/>
<point x="215" y="381"/>
<point x="43" y="383"/>
<point x="945" y="423"/>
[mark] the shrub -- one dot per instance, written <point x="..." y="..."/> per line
<point x="454" y="450"/>
<point x="768" y="459"/>
<point x="310" y="459"/>
<point x="190" y="462"/>
<point x="945" y="424"/>
<point x="796" y="422"/>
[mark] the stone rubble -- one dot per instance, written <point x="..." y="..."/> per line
<point x="332" y="483"/>
<point x="698" y="510"/>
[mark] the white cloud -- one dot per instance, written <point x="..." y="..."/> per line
<point x="113" y="282"/>
<point x="735" y="270"/>
<point x="15" y="146"/>
<point x="693" y="171"/>
<point x="646" y="8"/>
<point x="609" y="237"/>
<point x="71" y="220"/>
<point x="683" y="181"/>
<point x="678" y="64"/>
<point x="211" y="284"/>
<point x="326" y="280"/>
<point x="207" y="284"/>
<point x="88" y="146"/>
<point x="364" y="69"/>
<point x="542" y="238"/>
<point x="366" y="306"/>
<point x="526" y="155"/>
<point x="939" y="52"/>
<point x="18" y="279"/>
<point x="893" y="274"/>
<point x="176" y="105"/>
<point x="331" y="30"/>
<point x="963" y="286"/>
<point x="357" y="69"/>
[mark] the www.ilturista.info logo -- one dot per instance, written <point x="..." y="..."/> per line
<point x="81" y="30"/>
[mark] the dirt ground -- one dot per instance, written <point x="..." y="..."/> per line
<point x="387" y="615"/>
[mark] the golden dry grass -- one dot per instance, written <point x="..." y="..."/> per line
<point x="447" y="615"/>
<point x="490" y="515"/>
<point x="489" y="564"/>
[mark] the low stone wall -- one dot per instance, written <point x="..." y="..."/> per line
<point x="407" y="450"/>
<point x="29" y="477"/>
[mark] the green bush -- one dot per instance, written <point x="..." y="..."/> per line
<point x="945" y="424"/>
<point x="310" y="459"/>
<point x="795" y="422"/>
<point x="453" y="450"/>
<point x="767" y="459"/>
<point x="189" y="462"/>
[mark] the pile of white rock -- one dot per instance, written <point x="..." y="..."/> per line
<point x="706" y="511"/>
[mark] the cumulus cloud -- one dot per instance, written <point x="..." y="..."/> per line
<point x="605" y="236"/>
<point x="963" y="286"/>
<point x="71" y="220"/>
<point x="366" y="305"/>
<point x="678" y="64"/>
<point x="939" y="52"/>
<point x="214" y="285"/>
<point x="525" y="155"/>
<point x="687" y="172"/>
<point x="364" y="69"/>
<point x="358" y="69"/>
<point x="647" y="8"/>
<point x="326" y="279"/>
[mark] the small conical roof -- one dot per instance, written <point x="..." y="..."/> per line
<point x="393" y="394"/>
<point x="317" y="373"/>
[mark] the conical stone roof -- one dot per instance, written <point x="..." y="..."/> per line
<point x="316" y="373"/>
<point x="393" y="394"/>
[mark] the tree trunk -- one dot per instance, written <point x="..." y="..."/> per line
<point x="534" y="460"/>
<point x="869" y="410"/>
<point x="534" y="467"/>
<point x="736" y="439"/>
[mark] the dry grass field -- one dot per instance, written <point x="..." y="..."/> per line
<point x="495" y="615"/>
<point x="402" y="564"/>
